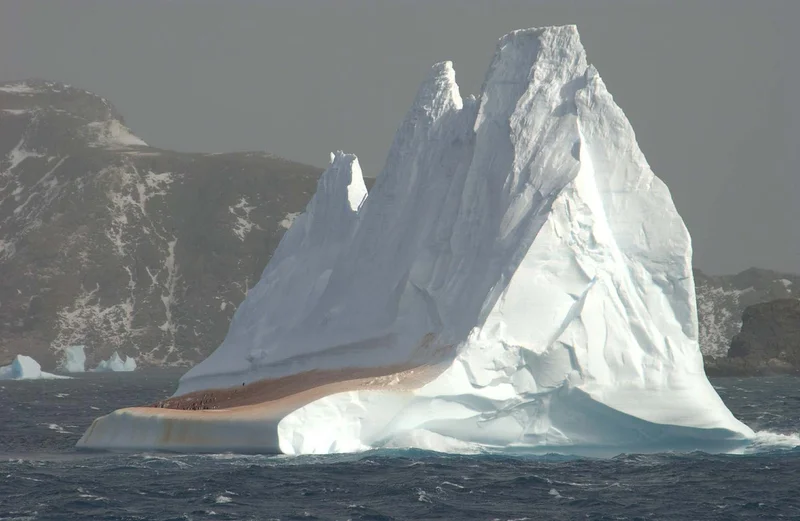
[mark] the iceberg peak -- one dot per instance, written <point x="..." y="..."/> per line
<point x="505" y="286"/>
<point x="334" y="207"/>
<point x="344" y="172"/>
<point x="439" y="91"/>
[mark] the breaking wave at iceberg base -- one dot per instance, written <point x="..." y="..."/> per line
<point x="766" y="441"/>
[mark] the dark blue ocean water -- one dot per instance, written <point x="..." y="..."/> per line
<point x="43" y="478"/>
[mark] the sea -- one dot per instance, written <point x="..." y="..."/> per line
<point x="43" y="477"/>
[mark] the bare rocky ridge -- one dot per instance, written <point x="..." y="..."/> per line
<point x="111" y="243"/>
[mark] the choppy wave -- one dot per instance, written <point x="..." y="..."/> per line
<point x="42" y="477"/>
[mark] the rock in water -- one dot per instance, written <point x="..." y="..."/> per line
<point x="516" y="279"/>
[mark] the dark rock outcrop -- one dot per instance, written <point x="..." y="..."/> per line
<point x="111" y="243"/>
<point x="721" y="300"/>
<point x="769" y="342"/>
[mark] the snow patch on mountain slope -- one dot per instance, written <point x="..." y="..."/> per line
<point x="243" y="224"/>
<point x="155" y="185"/>
<point x="20" y="88"/>
<point x="18" y="154"/>
<point x="716" y="333"/>
<point x="39" y="196"/>
<point x="112" y="133"/>
<point x="168" y="296"/>
<point x="289" y="220"/>
<point x="29" y="201"/>
<point x="87" y="313"/>
<point x="129" y="195"/>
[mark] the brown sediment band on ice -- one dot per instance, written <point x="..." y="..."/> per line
<point x="305" y="387"/>
<point x="243" y="419"/>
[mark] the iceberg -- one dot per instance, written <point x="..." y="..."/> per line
<point x="116" y="364"/>
<point x="74" y="359"/>
<point x="517" y="279"/>
<point x="25" y="368"/>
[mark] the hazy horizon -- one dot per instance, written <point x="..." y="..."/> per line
<point x="708" y="88"/>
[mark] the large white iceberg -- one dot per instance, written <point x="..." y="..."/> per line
<point x="74" y="360"/>
<point x="116" y="364"/>
<point x="516" y="279"/>
<point x="25" y="368"/>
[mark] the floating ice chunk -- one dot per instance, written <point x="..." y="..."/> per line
<point x="116" y="364"/>
<point x="25" y="368"/>
<point x="74" y="359"/>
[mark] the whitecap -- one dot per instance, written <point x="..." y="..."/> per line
<point x="765" y="441"/>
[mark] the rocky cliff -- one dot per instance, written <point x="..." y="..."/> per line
<point x="722" y="299"/>
<point x="108" y="242"/>
<point x="769" y="342"/>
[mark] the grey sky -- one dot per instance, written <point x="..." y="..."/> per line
<point x="709" y="86"/>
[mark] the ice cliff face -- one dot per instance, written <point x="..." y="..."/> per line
<point x="519" y="243"/>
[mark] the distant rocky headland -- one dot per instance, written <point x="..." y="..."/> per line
<point x="108" y="242"/>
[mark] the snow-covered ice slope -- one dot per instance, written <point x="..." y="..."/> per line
<point x="298" y="272"/>
<point x="519" y="244"/>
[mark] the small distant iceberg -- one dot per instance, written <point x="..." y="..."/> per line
<point x="74" y="360"/>
<point x="25" y="368"/>
<point x="116" y="364"/>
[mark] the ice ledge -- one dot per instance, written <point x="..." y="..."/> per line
<point x="264" y="429"/>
